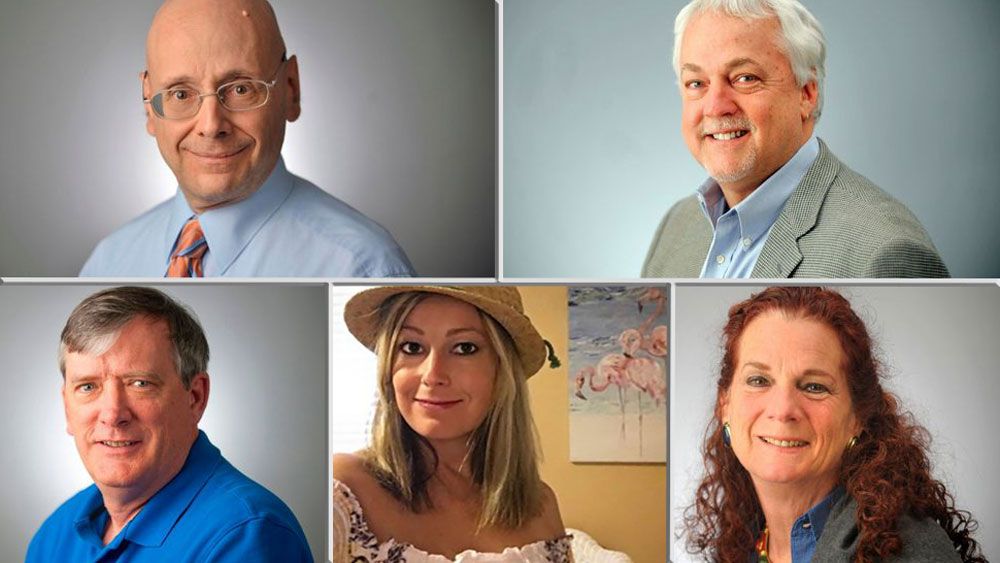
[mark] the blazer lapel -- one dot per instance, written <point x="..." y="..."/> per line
<point x="781" y="255"/>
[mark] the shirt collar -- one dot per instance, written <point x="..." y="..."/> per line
<point x="228" y="229"/>
<point x="162" y="511"/>
<point x="758" y="211"/>
<point x="818" y="515"/>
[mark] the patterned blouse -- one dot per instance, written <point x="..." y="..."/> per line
<point x="353" y="542"/>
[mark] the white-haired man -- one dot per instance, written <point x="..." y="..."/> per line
<point x="778" y="202"/>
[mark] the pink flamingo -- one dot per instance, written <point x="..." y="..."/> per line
<point x="610" y="370"/>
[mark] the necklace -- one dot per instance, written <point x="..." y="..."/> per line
<point x="761" y="547"/>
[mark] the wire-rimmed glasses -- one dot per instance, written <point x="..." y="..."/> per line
<point x="182" y="102"/>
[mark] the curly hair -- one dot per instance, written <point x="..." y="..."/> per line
<point x="887" y="472"/>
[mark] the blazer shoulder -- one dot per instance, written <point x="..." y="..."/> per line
<point x="680" y="243"/>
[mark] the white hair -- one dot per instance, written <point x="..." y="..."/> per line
<point x="804" y="43"/>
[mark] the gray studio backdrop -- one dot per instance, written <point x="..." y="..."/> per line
<point x="593" y="154"/>
<point x="398" y="120"/>
<point x="939" y="349"/>
<point x="266" y="410"/>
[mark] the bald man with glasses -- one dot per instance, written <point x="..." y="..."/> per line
<point x="218" y="91"/>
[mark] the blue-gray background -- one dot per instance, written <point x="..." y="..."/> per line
<point x="398" y="120"/>
<point x="939" y="350"/>
<point x="593" y="154"/>
<point x="266" y="409"/>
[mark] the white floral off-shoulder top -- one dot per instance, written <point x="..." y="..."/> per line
<point x="353" y="542"/>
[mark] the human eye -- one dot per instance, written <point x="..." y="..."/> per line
<point x="86" y="388"/>
<point x="410" y="348"/>
<point x="746" y="81"/>
<point x="757" y="380"/>
<point x="239" y="89"/>
<point x="815" y="388"/>
<point x="180" y="94"/>
<point x="141" y="383"/>
<point x="465" y="348"/>
<point x="693" y="84"/>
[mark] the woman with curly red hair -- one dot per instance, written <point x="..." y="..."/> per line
<point x="808" y="458"/>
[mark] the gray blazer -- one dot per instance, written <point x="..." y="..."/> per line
<point x="923" y="540"/>
<point x="836" y="224"/>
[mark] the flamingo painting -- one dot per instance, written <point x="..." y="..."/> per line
<point x="618" y="390"/>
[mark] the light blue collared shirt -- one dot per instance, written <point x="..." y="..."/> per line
<point x="740" y="232"/>
<point x="287" y="228"/>
<point x="807" y="529"/>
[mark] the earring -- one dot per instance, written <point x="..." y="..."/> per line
<point x="852" y="442"/>
<point x="727" y="434"/>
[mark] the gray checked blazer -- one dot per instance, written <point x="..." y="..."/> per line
<point x="836" y="224"/>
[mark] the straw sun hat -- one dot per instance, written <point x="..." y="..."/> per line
<point x="502" y="303"/>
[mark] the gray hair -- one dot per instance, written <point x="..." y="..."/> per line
<point x="94" y="326"/>
<point x="801" y="33"/>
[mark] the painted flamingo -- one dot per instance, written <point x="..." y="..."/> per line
<point x="610" y="370"/>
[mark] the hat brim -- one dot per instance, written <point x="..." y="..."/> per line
<point x="362" y="317"/>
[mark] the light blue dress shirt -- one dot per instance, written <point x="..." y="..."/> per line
<point x="740" y="232"/>
<point x="208" y="512"/>
<point x="807" y="529"/>
<point x="287" y="228"/>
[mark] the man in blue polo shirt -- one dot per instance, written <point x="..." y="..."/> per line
<point x="134" y="388"/>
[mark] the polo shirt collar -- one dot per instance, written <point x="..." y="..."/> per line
<point x="758" y="211"/>
<point x="158" y="516"/>
<point x="228" y="229"/>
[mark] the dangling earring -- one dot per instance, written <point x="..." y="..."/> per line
<point x="852" y="442"/>
<point x="727" y="434"/>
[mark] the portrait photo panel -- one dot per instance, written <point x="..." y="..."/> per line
<point x="266" y="406"/>
<point x="935" y="352"/>
<point x="397" y="120"/>
<point x="598" y="400"/>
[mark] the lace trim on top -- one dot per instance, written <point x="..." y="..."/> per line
<point x="353" y="542"/>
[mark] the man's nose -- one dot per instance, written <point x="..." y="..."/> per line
<point x="113" y="406"/>
<point x="435" y="370"/>
<point x="213" y="119"/>
<point x="719" y="100"/>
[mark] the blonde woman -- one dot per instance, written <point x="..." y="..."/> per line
<point x="451" y="473"/>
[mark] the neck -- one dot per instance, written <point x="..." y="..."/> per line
<point x="782" y="504"/>
<point x="122" y="506"/>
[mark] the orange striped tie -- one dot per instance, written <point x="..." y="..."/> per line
<point x="185" y="261"/>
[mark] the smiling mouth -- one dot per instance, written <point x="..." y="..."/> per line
<point x="784" y="443"/>
<point x="728" y="136"/>
<point x="436" y="403"/>
<point x="216" y="156"/>
<point x="118" y="443"/>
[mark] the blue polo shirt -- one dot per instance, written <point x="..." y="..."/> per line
<point x="207" y="512"/>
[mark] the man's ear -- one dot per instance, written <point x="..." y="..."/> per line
<point x="810" y="99"/>
<point x="293" y="92"/>
<point x="146" y="93"/>
<point x="198" y="395"/>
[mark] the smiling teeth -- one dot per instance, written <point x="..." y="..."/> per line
<point x="113" y="444"/>
<point x="728" y="136"/>
<point x="784" y="443"/>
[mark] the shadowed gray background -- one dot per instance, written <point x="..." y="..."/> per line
<point x="398" y="120"/>
<point x="266" y="407"/>
<point x="593" y="154"/>
<point x="938" y="345"/>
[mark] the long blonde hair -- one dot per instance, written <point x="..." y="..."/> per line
<point x="503" y="452"/>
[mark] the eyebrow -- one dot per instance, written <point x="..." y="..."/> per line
<point x="742" y="61"/>
<point x="229" y="76"/>
<point x="94" y="377"/>
<point x="810" y="371"/>
<point x="450" y="332"/>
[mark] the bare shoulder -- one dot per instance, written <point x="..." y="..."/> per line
<point x="550" y="519"/>
<point x="349" y="469"/>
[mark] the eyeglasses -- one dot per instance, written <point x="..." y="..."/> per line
<point x="182" y="102"/>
